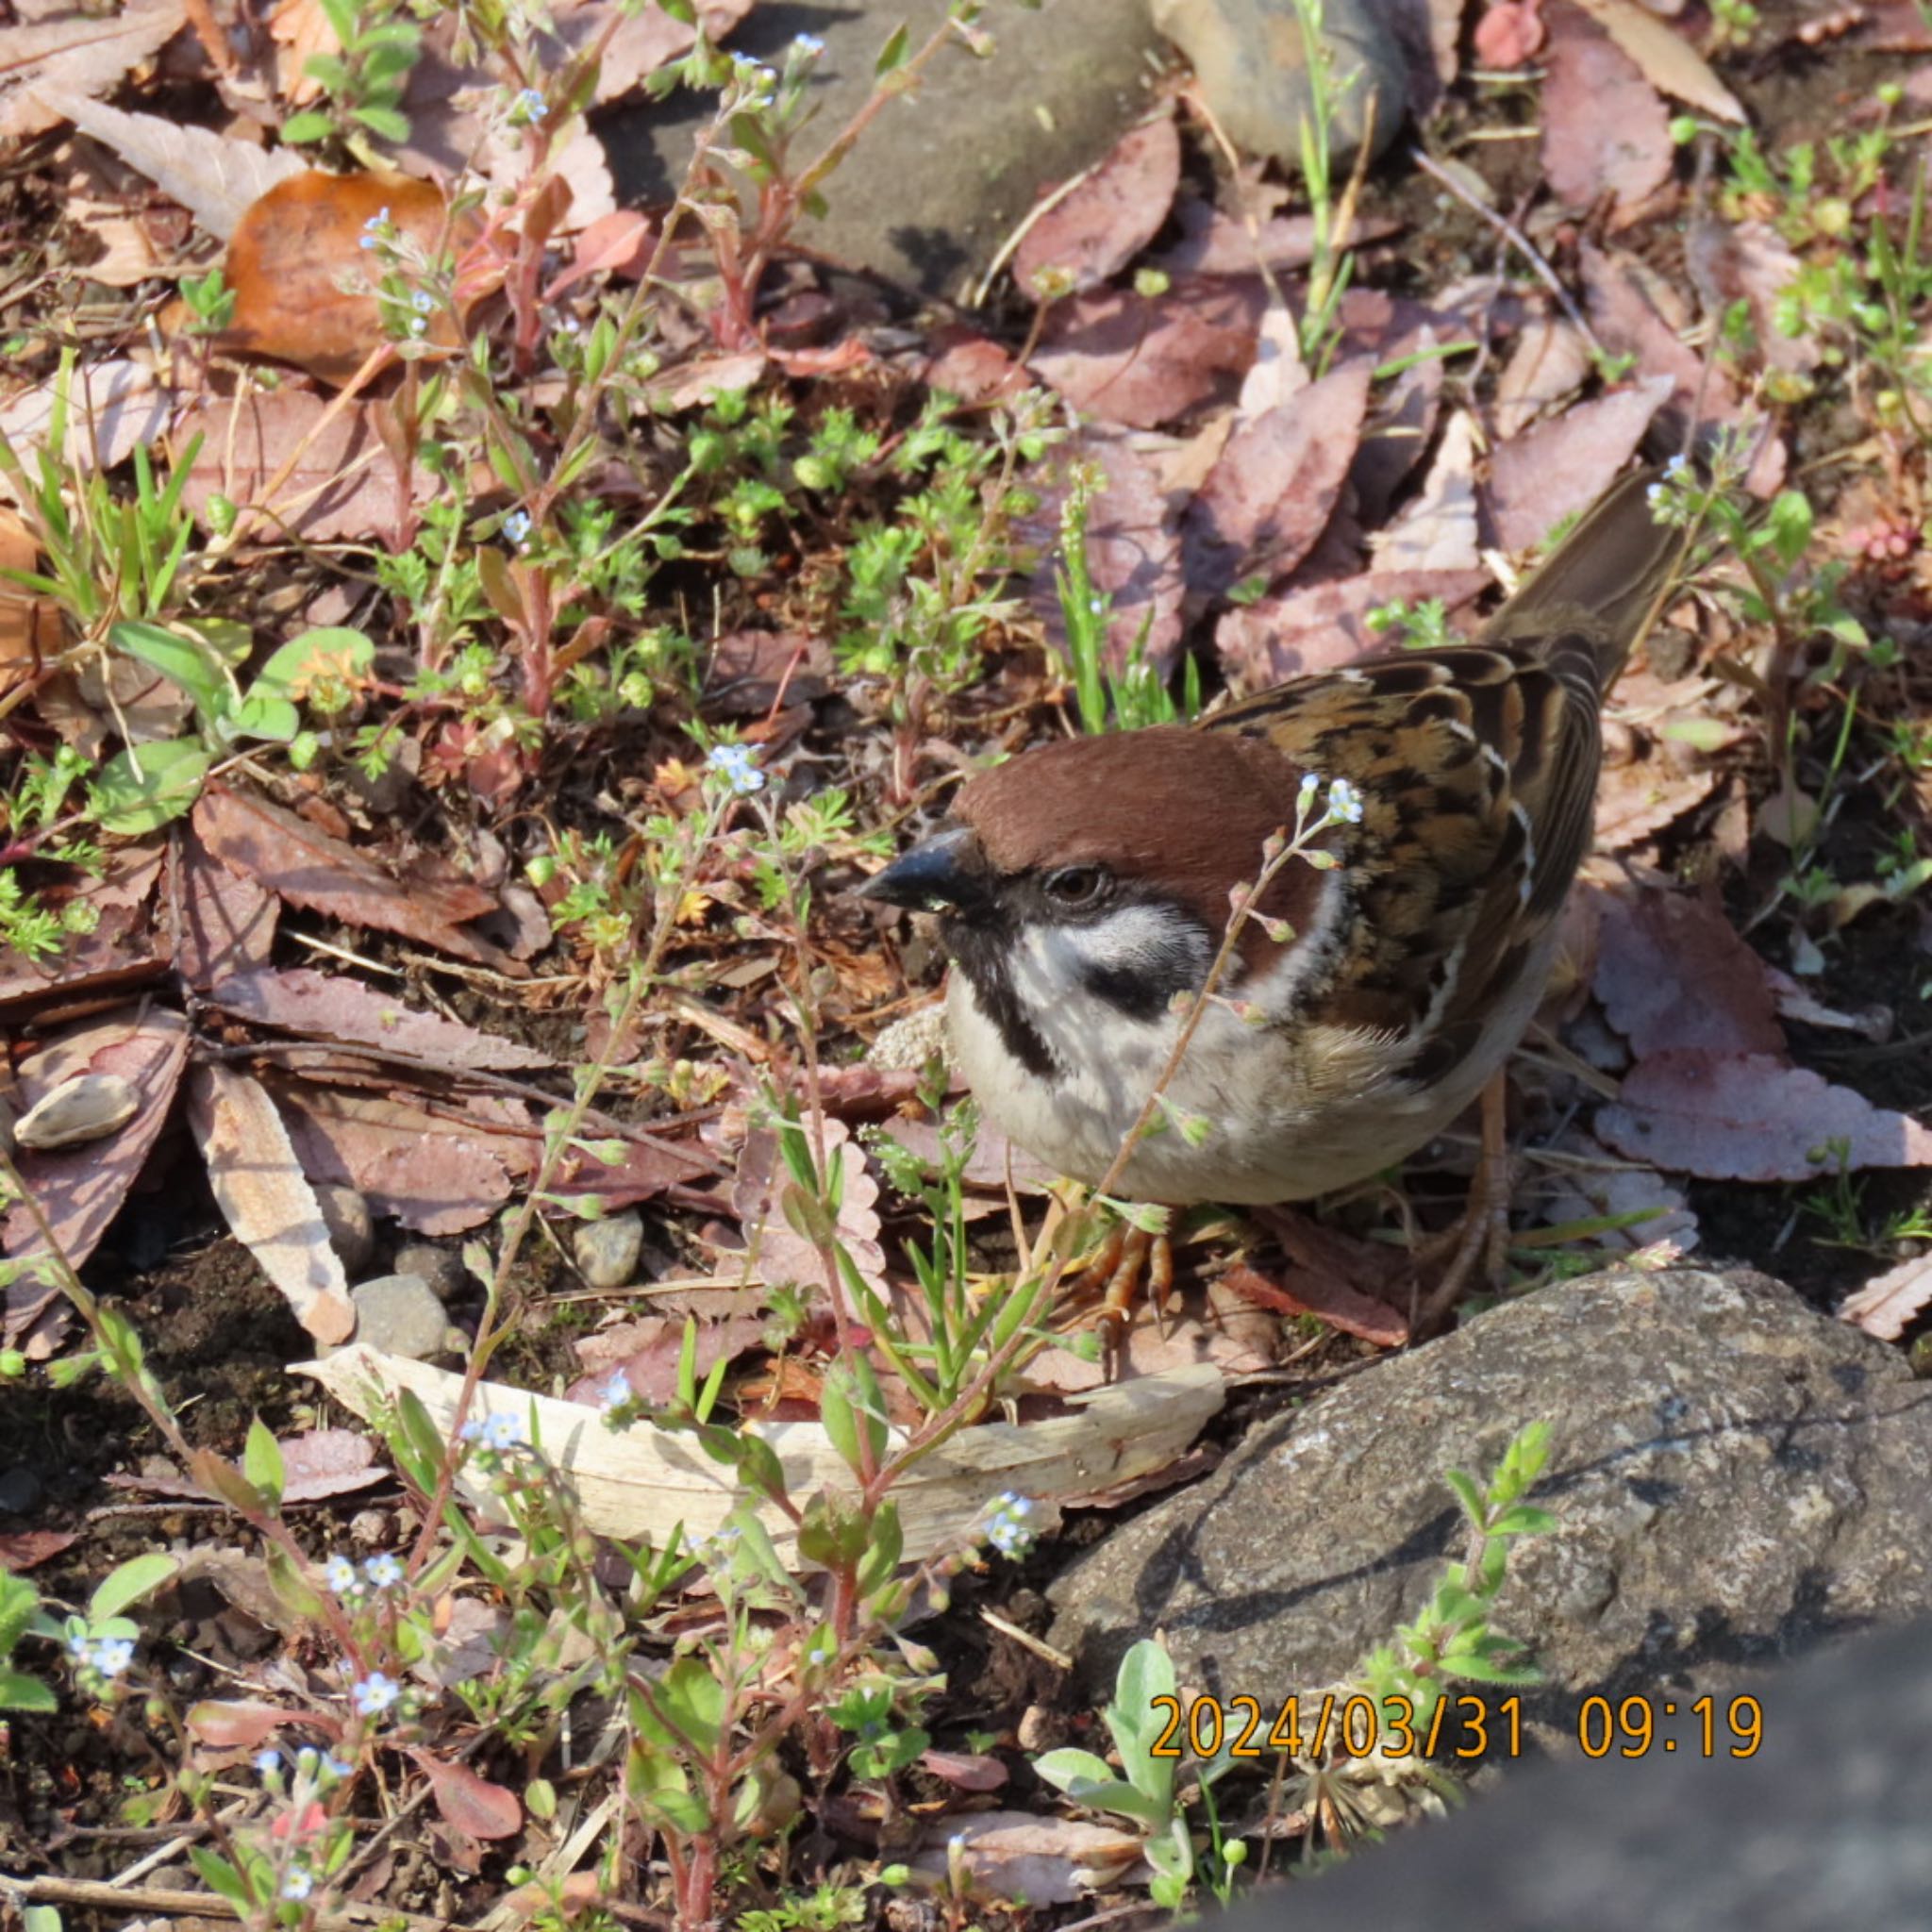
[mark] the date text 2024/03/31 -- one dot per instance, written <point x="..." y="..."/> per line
<point x="1468" y="1725"/>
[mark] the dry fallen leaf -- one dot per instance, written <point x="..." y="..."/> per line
<point x="1099" y="227"/>
<point x="212" y="177"/>
<point x="1144" y="359"/>
<point x="1562" y="466"/>
<point x="1326" y="626"/>
<point x="343" y="482"/>
<point x="111" y="406"/>
<point x="119" y="953"/>
<point x="1889" y="1300"/>
<point x="1604" y="130"/>
<point x="266" y="1199"/>
<point x="80" y="53"/>
<point x="1020" y="1855"/>
<point x="774" y="1247"/>
<point x="295" y="247"/>
<point x="434" y="1174"/>
<point x="642" y="1481"/>
<point x="1672" y="972"/>
<point x="333" y="1007"/>
<point x="1638" y="799"/>
<point x="1549" y="364"/>
<point x="80" y="1190"/>
<point x="1268" y="499"/>
<point x="304" y="865"/>
<point x="227" y="921"/>
<point x="1752" y="1117"/>
<point x="473" y="1804"/>
<point x="1668" y="61"/>
<point x="1438" y="531"/>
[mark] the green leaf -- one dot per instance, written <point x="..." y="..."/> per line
<point x="893" y="54"/>
<point x="137" y="794"/>
<point x="220" y="1878"/>
<point x="1065" y="1768"/>
<point x="334" y="652"/>
<point x="19" y="1601"/>
<point x="299" y="129"/>
<point x="384" y="121"/>
<point x="261" y="1461"/>
<point x="19" y="1691"/>
<point x="186" y="662"/>
<point x="125" y="1585"/>
<point x="293" y="1590"/>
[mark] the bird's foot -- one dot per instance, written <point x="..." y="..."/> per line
<point x="1480" y="1239"/>
<point x="1116" y="1268"/>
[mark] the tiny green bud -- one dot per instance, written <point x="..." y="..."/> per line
<point x="221" y="513"/>
<point x="1683" y="130"/>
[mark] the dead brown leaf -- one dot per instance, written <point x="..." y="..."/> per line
<point x="1604" y="131"/>
<point x="26" y="1549"/>
<point x="1438" y="531"/>
<point x="1748" y="262"/>
<point x="307" y="867"/>
<point x="646" y="1353"/>
<point x="1268" y="499"/>
<point x="1668" y="61"/>
<point x="1144" y="359"/>
<point x="266" y="1199"/>
<point x="343" y="482"/>
<point x="81" y="1189"/>
<point x="111" y="406"/>
<point x="776" y="1249"/>
<point x="227" y="921"/>
<point x="295" y="247"/>
<point x="78" y="53"/>
<point x="1637" y="799"/>
<point x="332" y="1006"/>
<point x="1562" y="467"/>
<point x="1672" y="973"/>
<point x="435" y="1175"/>
<point x="1326" y="626"/>
<point x="1212" y="243"/>
<point x="213" y="178"/>
<point x="473" y="1805"/>
<point x="1752" y="1117"/>
<point x="1094" y="230"/>
<point x="1548" y="365"/>
<point x="1889" y="1300"/>
<point x="118" y="952"/>
<point x="31" y="627"/>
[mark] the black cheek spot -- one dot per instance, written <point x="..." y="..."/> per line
<point x="982" y="953"/>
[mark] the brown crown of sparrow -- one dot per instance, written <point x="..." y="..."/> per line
<point x="1085" y="884"/>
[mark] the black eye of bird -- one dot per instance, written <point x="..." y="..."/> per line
<point x="1074" y="886"/>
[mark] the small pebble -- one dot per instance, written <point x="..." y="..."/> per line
<point x="401" y="1315"/>
<point x="607" y="1251"/>
<point x="351" y="1228"/>
<point x="86" y="1107"/>
<point x="20" y="1490"/>
<point x="441" y="1270"/>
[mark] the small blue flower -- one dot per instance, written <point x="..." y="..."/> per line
<point x="503" y="1431"/>
<point x="268" y="1763"/>
<point x="78" y="1645"/>
<point x="1677" y="466"/>
<point x="810" y="43"/>
<point x="111" y="1655"/>
<point x="384" y="1572"/>
<point x="1007" y="1528"/>
<point x="298" y="1884"/>
<point x="733" y="763"/>
<point x="375" y="1694"/>
<point x="422" y="301"/>
<point x="334" y="1767"/>
<point x="529" y="105"/>
<point x="1310" y="785"/>
<point x="341" y="1576"/>
<point x="617" y="1391"/>
<point x="1344" y="803"/>
<point x="516" y="527"/>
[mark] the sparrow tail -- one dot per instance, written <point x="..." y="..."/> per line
<point x="1608" y="579"/>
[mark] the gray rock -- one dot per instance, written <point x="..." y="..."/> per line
<point x="20" y="1490"/>
<point x="351" y="1229"/>
<point x="443" y="1272"/>
<point x="1252" y="65"/>
<point x="938" y="180"/>
<point x="1822" y="1826"/>
<point x="1732" y="1476"/>
<point x="400" y="1313"/>
<point x="607" y="1251"/>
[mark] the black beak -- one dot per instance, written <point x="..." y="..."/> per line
<point x="944" y="872"/>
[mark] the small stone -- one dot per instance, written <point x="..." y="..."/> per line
<point x="908" y="1044"/>
<point x="401" y="1315"/>
<point x="441" y="1270"/>
<point x="86" y="1107"/>
<point x="369" y="1529"/>
<point x="20" y="1490"/>
<point x="1037" y="1729"/>
<point x="1253" y="67"/>
<point x="351" y="1227"/>
<point x="607" y="1251"/>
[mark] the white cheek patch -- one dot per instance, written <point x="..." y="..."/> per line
<point x="1060" y="962"/>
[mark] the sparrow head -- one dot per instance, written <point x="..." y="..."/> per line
<point x="1100" y="869"/>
